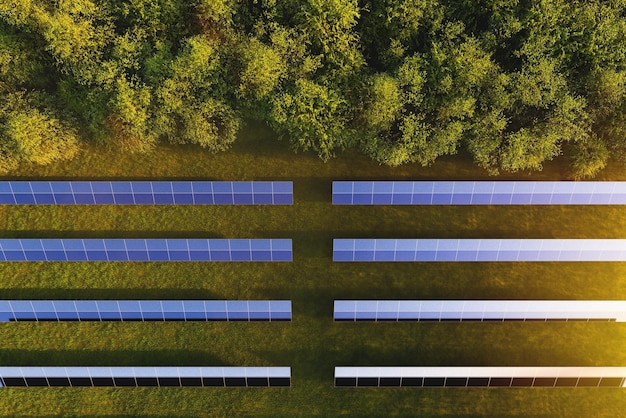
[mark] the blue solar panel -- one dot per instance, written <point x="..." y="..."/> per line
<point x="146" y="192"/>
<point x="396" y="250"/>
<point x="478" y="193"/>
<point x="145" y="310"/>
<point x="145" y="376"/>
<point x="145" y="250"/>
<point x="479" y="310"/>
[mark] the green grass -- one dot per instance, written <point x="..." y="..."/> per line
<point x="312" y="344"/>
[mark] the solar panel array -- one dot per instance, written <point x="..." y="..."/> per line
<point x="145" y="376"/>
<point x="145" y="310"/>
<point x="146" y="192"/>
<point x="480" y="310"/>
<point x="612" y="377"/>
<point x="145" y="250"/>
<point x="479" y="193"/>
<point x="479" y="250"/>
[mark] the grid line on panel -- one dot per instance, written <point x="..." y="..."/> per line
<point x="45" y="253"/>
<point x="22" y="249"/>
<point x="113" y="194"/>
<point x="93" y="195"/>
<point x="533" y="191"/>
<point x="119" y="310"/>
<point x="34" y="311"/>
<point x="132" y="192"/>
<point x="552" y="192"/>
<point x="271" y="250"/>
<point x="162" y="310"/>
<point x="612" y="192"/>
<point x="593" y="192"/>
<point x="106" y="251"/>
<point x="193" y="194"/>
<point x="56" y="313"/>
<point x="30" y="186"/>
<point x="76" y="310"/>
<point x="12" y="192"/>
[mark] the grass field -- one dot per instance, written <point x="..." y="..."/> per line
<point x="312" y="344"/>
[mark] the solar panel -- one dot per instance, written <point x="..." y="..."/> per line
<point x="145" y="376"/>
<point x="396" y="250"/>
<point x="479" y="193"/>
<point x="480" y="310"/>
<point x="614" y="377"/>
<point x="145" y="310"/>
<point x="145" y="250"/>
<point x="146" y="192"/>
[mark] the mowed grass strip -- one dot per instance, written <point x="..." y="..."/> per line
<point x="312" y="344"/>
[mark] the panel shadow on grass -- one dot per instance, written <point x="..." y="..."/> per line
<point x="108" y="294"/>
<point x="67" y="358"/>
<point x="113" y="234"/>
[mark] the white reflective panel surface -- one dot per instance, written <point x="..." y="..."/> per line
<point x="478" y="193"/>
<point x="341" y="372"/>
<point x="485" y="250"/>
<point x="385" y="310"/>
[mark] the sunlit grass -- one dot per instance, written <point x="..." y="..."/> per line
<point x="312" y="344"/>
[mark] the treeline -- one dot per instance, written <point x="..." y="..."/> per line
<point x="514" y="82"/>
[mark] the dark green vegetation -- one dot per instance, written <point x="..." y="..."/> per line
<point x="312" y="344"/>
<point x="512" y="82"/>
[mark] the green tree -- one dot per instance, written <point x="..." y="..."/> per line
<point x="190" y="104"/>
<point x="314" y="117"/>
<point x="29" y="134"/>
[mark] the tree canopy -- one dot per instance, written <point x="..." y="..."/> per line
<point x="513" y="83"/>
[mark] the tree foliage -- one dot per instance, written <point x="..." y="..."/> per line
<point x="514" y="83"/>
<point x="31" y="134"/>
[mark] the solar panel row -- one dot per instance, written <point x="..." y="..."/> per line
<point x="478" y="193"/>
<point x="614" y="377"/>
<point x="145" y="250"/>
<point x="145" y="310"/>
<point x="146" y="192"/>
<point x="145" y="376"/>
<point x="479" y="310"/>
<point x="479" y="250"/>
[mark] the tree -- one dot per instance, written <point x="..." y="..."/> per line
<point x="314" y="117"/>
<point x="21" y="62"/>
<point x="190" y="105"/>
<point x="262" y="70"/>
<point x="77" y="33"/>
<point x="29" y="134"/>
